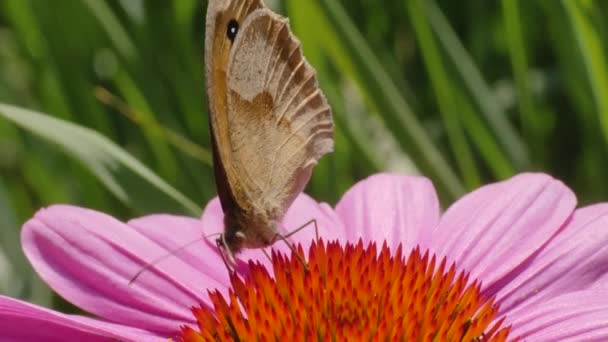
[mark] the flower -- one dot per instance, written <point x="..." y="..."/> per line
<point x="538" y="261"/>
<point x="350" y="293"/>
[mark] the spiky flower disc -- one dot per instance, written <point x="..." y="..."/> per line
<point x="350" y="293"/>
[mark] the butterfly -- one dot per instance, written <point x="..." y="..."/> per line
<point x="270" y="122"/>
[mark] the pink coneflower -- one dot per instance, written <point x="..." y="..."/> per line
<point x="511" y="261"/>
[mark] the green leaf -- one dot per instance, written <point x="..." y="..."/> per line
<point x="127" y="178"/>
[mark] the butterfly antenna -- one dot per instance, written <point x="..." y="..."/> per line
<point x="165" y="256"/>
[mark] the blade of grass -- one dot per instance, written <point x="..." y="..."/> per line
<point x="172" y="137"/>
<point x="443" y="93"/>
<point x="482" y="95"/>
<point x="113" y="28"/>
<point x="177" y="59"/>
<point x="529" y="117"/>
<point x="586" y="26"/>
<point x="123" y="175"/>
<point x="354" y="56"/>
<point x="29" y="31"/>
<point x="164" y="157"/>
<point x="489" y="149"/>
<point x="355" y="129"/>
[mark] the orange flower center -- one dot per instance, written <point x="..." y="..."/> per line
<point x="350" y="293"/>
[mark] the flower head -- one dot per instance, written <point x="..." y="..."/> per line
<point x="513" y="258"/>
<point x="350" y="293"/>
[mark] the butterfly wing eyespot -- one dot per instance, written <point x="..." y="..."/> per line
<point x="233" y="29"/>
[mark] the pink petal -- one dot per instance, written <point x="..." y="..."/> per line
<point x="20" y="321"/>
<point x="89" y="258"/>
<point x="395" y="208"/>
<point x="190" y="245"/>
<point x="577" y="316"/>
<point x="492" y="231"/>
<point x="576" y="259"/>
<point x="303" y="209"/>
<point x="213" y="218"/>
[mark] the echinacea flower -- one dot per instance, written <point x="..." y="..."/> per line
<point x="512" y="260"/>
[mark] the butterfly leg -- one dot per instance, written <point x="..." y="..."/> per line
<point x="293" y="249"/>
<point x="313" y="221"/>
<point x="266" y="254"/>
<point x="294" y="231"/>
<point x="284" y="237"/>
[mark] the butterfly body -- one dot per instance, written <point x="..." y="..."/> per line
<point x="270" y="123"/>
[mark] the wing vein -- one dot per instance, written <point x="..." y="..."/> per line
<point x="305" y="144"/>
<point x="295" y="95"/>
<point x="284" y="66"/>
<point x="295" y="70"/>
<point x="299" y="128"/>
<point x="270" y="72"/>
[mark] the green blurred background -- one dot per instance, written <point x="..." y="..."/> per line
<point x="102" y="103"/>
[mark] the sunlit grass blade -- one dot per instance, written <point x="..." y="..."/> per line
<point x="128" y="179"/>
<point x="585" y="20"/>
<point x="351" y="53"/>
<point x="472" y="78"/>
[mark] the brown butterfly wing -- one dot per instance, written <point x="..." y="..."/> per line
<point x="280" y="122"/>
<point x="217" y="52"/>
